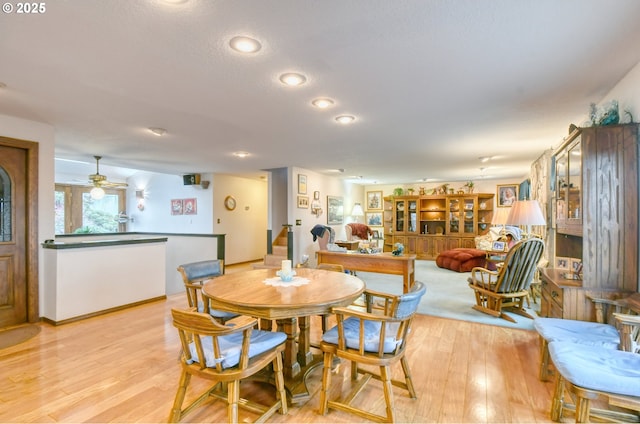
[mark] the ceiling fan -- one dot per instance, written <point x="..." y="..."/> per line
<point x="99" y="180"/>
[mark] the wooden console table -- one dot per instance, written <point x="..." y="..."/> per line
<point x="384" y="263"/>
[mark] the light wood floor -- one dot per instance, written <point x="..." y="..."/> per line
<point x="123" y="367"/>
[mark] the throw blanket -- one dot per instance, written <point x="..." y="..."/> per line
<point x="318" y="231"/>
<point x="362" y="231"/>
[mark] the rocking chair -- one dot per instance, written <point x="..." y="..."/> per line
<point x="507" y="288"/>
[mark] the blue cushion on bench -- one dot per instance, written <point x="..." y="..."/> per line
<point x="597" y="368"/>
<point x="574" y="331"/>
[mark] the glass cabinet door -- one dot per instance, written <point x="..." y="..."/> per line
<point x="562" y="184"/>
<point x="468" y="216"/>
<point x="453" y="207"/>
<point x="400" y="216"/>
<point x="412" y="216"/>
<point x="574" y="171"/>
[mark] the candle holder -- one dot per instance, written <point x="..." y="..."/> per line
<point x="286" y="276"/>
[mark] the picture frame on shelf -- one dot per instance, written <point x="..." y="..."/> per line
<point x="507" y="194"/>
<point x="335" y="210"/>
<point x="561" y="262"/>
<point x="499" y="246"/>
<point x="373" y="219"/>
<point x="303" y="202"/>
<point x="575" y="265"/>
<point x="374" y="200"/>
<point x="302" y="184"/>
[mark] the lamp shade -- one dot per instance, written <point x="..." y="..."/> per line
<point x="526" y="212"/>
<point x="357" y="210"/>
<point x="500" y="216"/>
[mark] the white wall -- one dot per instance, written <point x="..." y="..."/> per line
<point x="159" y="190"/>
<point x="627" y="93"/>
<point x="245" y="226"/>
<point x="327" y="186"/>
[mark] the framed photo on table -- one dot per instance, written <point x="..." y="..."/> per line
<point x="562" y="263"/>
<point x="498" y="246"/>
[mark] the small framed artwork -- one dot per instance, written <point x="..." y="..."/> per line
<point x="499" y="246"/>
<point x="302" y="184"/>
<point x="316" y="195"/>
<point x="190" y="206"/>
<point x="176" y="207"/>
<point x="374" y="218"/>
<point x="376" y="235"/>
<point x="507" y="194"/>
<point x="575" y="265"/>
<point x="303" y="202"/>
<point x="335" y="210"/>
<point x="374" y="200"/>
<point x="562" y="263"/>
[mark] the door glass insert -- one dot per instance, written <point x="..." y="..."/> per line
<point x="5" y="206"/>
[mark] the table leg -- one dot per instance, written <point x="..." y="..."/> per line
<point x="290" y="363"/>
<point x="304" y="341"/>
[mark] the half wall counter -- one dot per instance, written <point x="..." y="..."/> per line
<point x="91" y="277"/>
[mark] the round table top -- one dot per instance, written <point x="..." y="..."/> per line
<point x="247" y="293"/>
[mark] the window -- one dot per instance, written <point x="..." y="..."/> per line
<point x="76" y="212"/>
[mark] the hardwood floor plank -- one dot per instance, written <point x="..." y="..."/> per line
<point x="123" y="367"/>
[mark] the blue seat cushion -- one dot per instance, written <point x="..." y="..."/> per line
<point x="597" y="368"/>
<point x="231" y="345"/>
<point x="371" y="335"/>
<point x="216" y="313"/>
<point x="574" y="331"/>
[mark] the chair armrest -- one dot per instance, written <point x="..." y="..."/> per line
<point x="479" y="274"/>
<point x="348" y="312"/>
<point x="602" y="307"/>
<point x="629" y="328"/>
<point x="238" y="324"/>
<point x="370" y="300"/>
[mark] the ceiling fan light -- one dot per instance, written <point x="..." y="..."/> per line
<point x="158" y="131"/>
<point x="97" y="193"/>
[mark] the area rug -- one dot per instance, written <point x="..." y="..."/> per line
<point x="448" y="295"/>
<point x="16" y="335"/>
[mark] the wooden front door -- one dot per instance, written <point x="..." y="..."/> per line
<point x="17" y="299"/>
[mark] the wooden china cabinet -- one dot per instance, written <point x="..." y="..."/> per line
<point x="428" y="225"/>
<point x="596" y="220"/>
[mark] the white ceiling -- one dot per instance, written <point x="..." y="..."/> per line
<point x="434" y="84"/>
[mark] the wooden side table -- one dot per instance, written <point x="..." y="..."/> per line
<point x="349" y="245"/>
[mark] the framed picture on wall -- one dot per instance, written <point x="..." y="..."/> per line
<point x="374" y="218"/>
<point x="374" y="200"/>
<point x="176" y="207"/>
<point x="302" y="184"/>
<point x="335" y="210"/>
<point x="303" y="202"/>
<point x="190" y="206"/>
<point x="507" y="194"/>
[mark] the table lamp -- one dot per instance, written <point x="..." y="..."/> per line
<point x="500" y="218"/>
<point x="357" y="211"/>
<point x="527" y="213"/>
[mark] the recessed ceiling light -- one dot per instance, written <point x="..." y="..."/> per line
<point x="175" y="1"/>
<point x="241" y="154"/>
<point x="345" y="119"/>
<point x="322" y="102"/>
<point x="157" y="131"/>
<point x="293" y="79"/>
<point x="245" y="44"/>
<point x="485" y="159"/>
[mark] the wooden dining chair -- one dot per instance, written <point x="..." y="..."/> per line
<point x="507" y="288"/>
<point x="371" y="339"/>
<point x="588" y="373"/>
<point x="194" y="274"/>
<point x="225" y="354"/>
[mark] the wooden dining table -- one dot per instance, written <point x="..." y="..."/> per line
<point x="252" y="293"/>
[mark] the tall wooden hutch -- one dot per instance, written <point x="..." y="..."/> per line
<point x="596" y="219"/>
<point x="428" y="225"/>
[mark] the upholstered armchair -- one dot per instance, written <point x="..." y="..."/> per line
<point x="356" y="231"/>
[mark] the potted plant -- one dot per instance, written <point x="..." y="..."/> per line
<point x="469" y="185"/>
